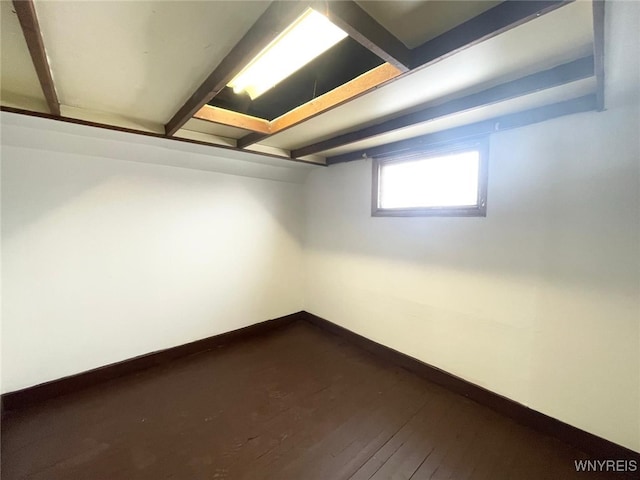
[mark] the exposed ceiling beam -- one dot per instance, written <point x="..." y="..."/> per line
<point x="250" y="139"/>
<point x="598" y="49"/>
<point x="499" y="19"/>
<point x="364" y="29"/>
<point x="494" y="21"/>
<point x="26" y="12"/>
<point x="233" y="119"/>
<point x="497" y="124"/>
<point x="339" y="95"/>
<point x="279" y="15"/>
<point x="560" y="75"/>
<point x="144" y="133"/>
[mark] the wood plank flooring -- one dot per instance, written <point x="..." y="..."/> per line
<point x="298" y="403"/>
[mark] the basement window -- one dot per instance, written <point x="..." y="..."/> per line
<point x="443" y="181"/>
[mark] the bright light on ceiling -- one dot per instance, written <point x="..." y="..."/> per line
<point x="306" y="38"/>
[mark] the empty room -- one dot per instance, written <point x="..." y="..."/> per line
<point x="320" y="240"/>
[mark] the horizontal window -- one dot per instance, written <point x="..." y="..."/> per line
<point x="448" y="181"/>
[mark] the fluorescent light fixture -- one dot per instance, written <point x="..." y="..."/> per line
<point x="306" y="38"/>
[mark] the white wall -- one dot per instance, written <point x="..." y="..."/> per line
<point x="106" y="259"/>
<point x="540" y="301"/>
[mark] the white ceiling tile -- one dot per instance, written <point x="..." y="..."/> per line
<point x="414" y="22"/>
<point x="140" y="59"/>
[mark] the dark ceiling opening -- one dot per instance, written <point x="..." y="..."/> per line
<point x="338" y="65"/>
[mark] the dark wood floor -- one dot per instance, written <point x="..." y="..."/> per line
<point x="298" y="403"/>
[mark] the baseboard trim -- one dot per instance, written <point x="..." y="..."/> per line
<point x="587" y="442"/>
<point x="38" y="393"/>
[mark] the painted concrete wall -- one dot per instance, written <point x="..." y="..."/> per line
<point x="107" y="259"/>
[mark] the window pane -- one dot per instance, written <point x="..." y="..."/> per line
<point x="445" y="181"/>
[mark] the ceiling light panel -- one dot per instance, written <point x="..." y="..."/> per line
<point x="306" y="38"/>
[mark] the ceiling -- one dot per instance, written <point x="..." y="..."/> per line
<point x="136" y="64"/>
<point x="415" y="22"/>
<point x="19" y="82"/>
<point x="338" y="65"/>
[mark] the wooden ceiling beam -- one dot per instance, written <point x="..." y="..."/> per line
<point x="279" y="15"/>
<point x="364" y="29"/>
<point x="560" y="75"/>
<point x="496" y="20"/>
<point x="26" y="12"/>
<point x="339" y="95"/>
<point x="493" y="125"/>
<point x="233" y="119"/>
<point x="598" y="49"/>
